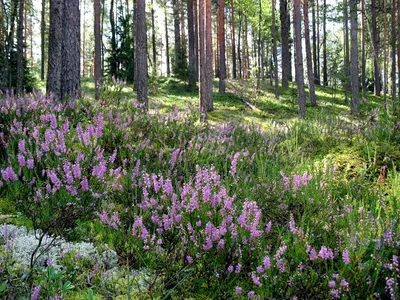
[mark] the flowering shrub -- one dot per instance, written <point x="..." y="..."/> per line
<point x="207" y="210"/>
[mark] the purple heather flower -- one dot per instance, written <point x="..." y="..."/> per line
<point x="332" y="284"/>
<point x="325" y="253"/>
<point x="9" y="175"/>
<point x="21" y="160"/>
<point x="238" y="290"/>
<point x="35" y="294"/>
<point x="230" y="269"/>
<point x="251" y="294"/>
<point x="267" y="262"/>
<point x="346" y="256"/>
<point x="344" y="283"/>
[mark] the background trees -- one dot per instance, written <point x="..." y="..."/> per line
<point x="246" y="40"/>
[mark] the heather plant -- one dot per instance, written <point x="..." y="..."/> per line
<point x="223" y="211"/>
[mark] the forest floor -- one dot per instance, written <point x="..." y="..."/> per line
<point x="259" y="204"/>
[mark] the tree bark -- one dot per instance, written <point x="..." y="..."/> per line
<point x="70" y="83"/>
<point x="355" y="101"/>
<point x="209" y="56"/>
<point x="113" y="62"/>
<point x="363" y="63"/>
<point x="20" y="49"/>
<point x="393" y="49"/>
<point x="324" y="54"/>
<point x="314" y="41"/>
<point x="346" y="48"/>
<point x="311" y="87"/>
<point x="192" y="53"/>
<point x="55" y="49"/>
<point x="275" y="52"/>
<point x="177" y="32"/>
<point x="97" y="48"/>
<point x="43" y="39"/>
<point x="385" y="55"/>
<point x="141" y="52"/>
<point x="375" y="43"/>
<point x="221" y="39"/>
<point x="202" y="65"/>
<point x="239" y="54"/>
<point x="299" y="60"/>
<point x="196" y="39"/>
<point x="153" y="39"/>
<point x="234" y="73"/>
<point x="167" y="42"/>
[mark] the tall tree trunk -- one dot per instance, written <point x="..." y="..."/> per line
<point x="221" y="39"/>
<point x="20" y="48"/>
<point x="209" y="56"/>
<point x="2" y="30"/>
<point x="84" y="40"/>
<point x="285" y="25"/>
<point x="375" y="43"/>
<point x="7" y="74"/>
<point x="314" y="41"/>
<point x="43" y="39"/>
<point x="355" y="101"/>
<point x="385" y="55"/>
<point x="141" y="52"/>
<point x="299" y="60"/>
<point x="311" y="87"/>
<point x="196" y="39"/>
<point x="318" y="47"/>
<point x="239" y="54"/>
<point x="167" y="42"/>
<point x="177" y="32"/>
<point x="259" y="61"/>
<point x="202" y="67"/>
<point x="393" y="50"/>
<point x="234" y="74"/>
<point x="153" y="39"/>
<point x="70" y="84"/>
<point x="346" y="48"/>
<point x="324" y="54"/>
<point x="55" y="48"/>
<point x="398" y="39"/>
<point x="113" y="54"/>
<point x="275" y="52"/>
<point x="192" y="53"/>
<point x="363" y="62"/>
<point x="97" y="48"/>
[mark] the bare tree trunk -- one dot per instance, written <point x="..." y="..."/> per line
<point x="113" y="63"/>
<point x="192" y="53"/>
<point x="209" y="56"/>
<point x="363" y="83"/>
<point x="314" y="41"/>
<point x="275" y="52"/>
<point x="398" y="39"/>
<point x="233" y="42"/>
<point x="84" y="41"/>
<point x="55" y="49"/>
<point x="346" y="49"/>
<point x="318" y="47"/>
<point x="167" y="42"/>
<point x="196" y="39"/>
<point x="355" y="101"/>
<point x="221" y="38"/>
<point x="141" y="52"/>
<point x="311" y="87"/>
<point x="202" y="66"/>
<point x="153" y="39"/>
<point x="43" y="39"/>
<point x="385" y="55"/>
<point x="97" y="48"/>
<point x="70" y="78"/>
<point x="324" y="54"/>
<point x="299" y="60"/>
<point x="177" y="31"/>
<point x="238" y="47"/>
<point x="259" y="60"/>
<point x="20" y="48"/>
<point x="375" y="43"/>
<point x="393" y="49"/>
